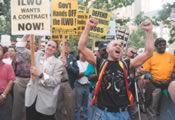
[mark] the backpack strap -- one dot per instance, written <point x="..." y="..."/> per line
<point x="125" y="71"/>
<point x="98" y="84"/>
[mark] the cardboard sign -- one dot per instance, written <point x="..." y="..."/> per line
<point x="172" y="15"/>
<point x="30" y="17"/>
<point x="64" y="17"/>
<point x="82" y="9"/>
<point x="82" y="17"/>
<point x="81" y="22"/>
<point x="5" y="40"/>
<point x="122" y="33"/>
<point x="103" y="18"/>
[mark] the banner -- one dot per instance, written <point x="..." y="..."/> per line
<point x="30" y="17"/>
<point x="103" y="18"/>
<point x="64" y="18"/>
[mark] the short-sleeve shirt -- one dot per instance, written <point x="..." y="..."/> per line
<point x="161" y="66"/>
<point x="112" y="93"/>
<point x="6" y="74"/>
<point x="90" y="70"/>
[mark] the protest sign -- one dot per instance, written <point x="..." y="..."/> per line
<point x="5" y="40"/>
<point x="82" y="16"/>
<point x="81" y="22"/>
<point x="122" y="33"/>
<point x="64" y="17"/>
<point x="82" y="9"/>
<point x="30" y="17"/>
<point x="103" y="18"/>
<point x="172" y="14"/>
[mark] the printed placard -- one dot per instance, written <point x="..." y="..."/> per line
<point x="64" y="18"/>
<point x="81" y="22"/>
<point x="103" y="18"/>
<point x="30" y="17"/>
<point x="82" y="9"/>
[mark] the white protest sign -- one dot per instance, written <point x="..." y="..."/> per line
<point x="30" y="17"/>
<point x="172" y="15"/>
<point x="5" y="40"/>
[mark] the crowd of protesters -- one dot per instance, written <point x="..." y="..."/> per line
<point x="96" y="85"/>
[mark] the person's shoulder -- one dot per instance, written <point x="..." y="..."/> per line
<point x="168" y="53"/>
<point x="127" y="62"/>
<point x="8" y="66"/>
<point x="99" y="59"/>
<point x="57" y="61"/>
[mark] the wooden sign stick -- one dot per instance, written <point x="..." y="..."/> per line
<point x="32" y="49"/>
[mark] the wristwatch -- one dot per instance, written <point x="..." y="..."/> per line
<point x="41" y="75"/>
<point x="3" y="95"/>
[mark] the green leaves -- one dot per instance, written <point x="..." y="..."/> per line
<point x="5" y="22"/>
<point x="106" y="5"/>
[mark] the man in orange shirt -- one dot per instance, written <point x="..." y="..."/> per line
<point x="160" y="66"/>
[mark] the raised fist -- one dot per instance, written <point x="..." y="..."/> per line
<point x="91" y="22"/>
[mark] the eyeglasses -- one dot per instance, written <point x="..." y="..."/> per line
<point x="51" y="46"/>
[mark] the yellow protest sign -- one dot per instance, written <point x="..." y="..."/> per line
<point x="81" y="22"/>
<point x="82" y="9"/>
<point x="30" y="17"/>
<point x="64" y="15"/>
<point x="103" y="18"/>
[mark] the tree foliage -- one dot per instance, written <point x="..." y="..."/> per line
<point x="137" y="38"/>
<point x="108" y="5"/>
<point x="141" y="17"/>
<point x="5" y="21"/>
<point x="163" y="17"/>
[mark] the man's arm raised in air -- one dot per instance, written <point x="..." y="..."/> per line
<point x="82" y="45"/>
<point x="141" y="58"/>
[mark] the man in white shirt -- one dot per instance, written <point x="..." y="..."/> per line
<point x="81" y="91"/>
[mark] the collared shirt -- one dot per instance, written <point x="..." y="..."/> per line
<point x="45" y="64"/>
<point x="6" y="74"/>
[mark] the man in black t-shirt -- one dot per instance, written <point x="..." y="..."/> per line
<point x="112" y="99"/>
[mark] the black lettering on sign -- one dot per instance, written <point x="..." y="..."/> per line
<point x="30" y="26"/>
<point x="67" y="21"/>
<point x="56" y="22"/>
<point x="29" y="2"/>
<point x="14" y="16"/>
<point x="72" y="13"/>
<point x="99" y="14"/>
<point x="31" y="10"/>
<point x="59" y="13"/>
<point x="98" y="29"/>
<point x="64" y="5"/>
<point x="81" y="22"/>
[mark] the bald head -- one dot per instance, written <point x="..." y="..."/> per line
<point x="110" y="44"/>
<point x="114" y="49"/>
